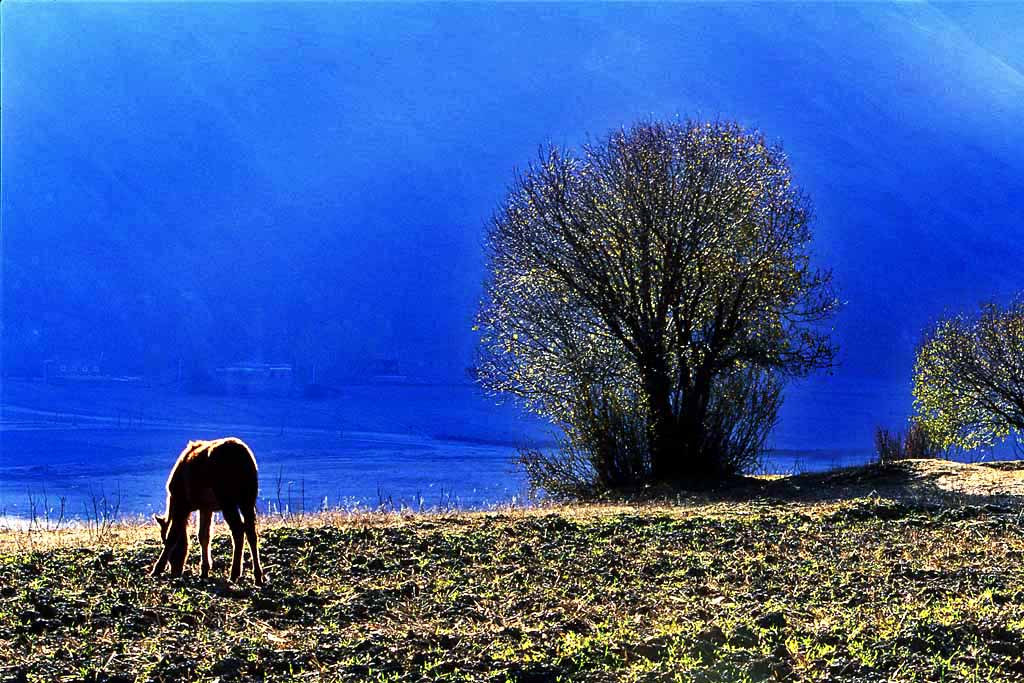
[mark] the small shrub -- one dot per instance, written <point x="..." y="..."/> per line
<point x="919" y="443"/>
<point x="604" y="448"/>
<point x="888" y="445"/>
<point x="915" y="443"/>
<point x="742" y="413"/>
<point x="564" y="474"/>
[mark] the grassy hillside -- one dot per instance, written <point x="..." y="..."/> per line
<point x="865" y="589"/>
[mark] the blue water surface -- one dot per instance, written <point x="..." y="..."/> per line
<point x="106" y="448"/>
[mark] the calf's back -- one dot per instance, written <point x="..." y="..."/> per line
<point x="214" y="474"/>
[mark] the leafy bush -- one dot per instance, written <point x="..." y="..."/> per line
<point x="605" y="446"/>
<point x="743" y="410"/>
<point x="969" y="378"/>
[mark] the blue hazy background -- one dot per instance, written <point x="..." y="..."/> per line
<point x="185" y="187"/>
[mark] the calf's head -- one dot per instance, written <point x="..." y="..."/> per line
<point x="162" y="521"/>
<point x="174" y="534"/>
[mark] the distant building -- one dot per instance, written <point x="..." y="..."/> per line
<point x="63" y="369"/>
<point x="256" y="379"/>
<point x="69" y="370"/>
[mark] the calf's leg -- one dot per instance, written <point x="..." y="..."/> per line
<point x="205" y="520"/>
<point x="250" y="535"/>
<point x="234" y="521"/>
<point x="161" y="561"/>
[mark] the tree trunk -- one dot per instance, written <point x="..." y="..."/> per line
<point x="678" y="451"/>
<point x="702" y="466"/>
<point x="663" y="438"/>
<point x="665" y="442"/>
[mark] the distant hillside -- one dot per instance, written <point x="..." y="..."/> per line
<point x="309" y="183"/>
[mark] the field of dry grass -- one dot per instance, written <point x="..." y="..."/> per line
<point x="863" y="588"/>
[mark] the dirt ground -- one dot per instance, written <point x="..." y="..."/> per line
<point x="910" y="481"/>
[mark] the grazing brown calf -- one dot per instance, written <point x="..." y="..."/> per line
<point x="211" y="476"/>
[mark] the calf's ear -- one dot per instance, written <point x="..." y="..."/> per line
<point x="161" y="521"/>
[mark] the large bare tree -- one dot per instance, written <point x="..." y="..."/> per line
<point x="664" y="268"/>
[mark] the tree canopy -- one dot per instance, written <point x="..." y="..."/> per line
<point x="662" y="271"/>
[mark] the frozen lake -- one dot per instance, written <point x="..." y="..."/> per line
<point x="421" y="446"/>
